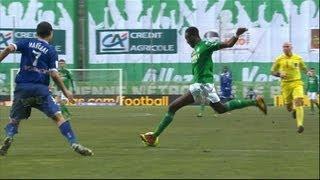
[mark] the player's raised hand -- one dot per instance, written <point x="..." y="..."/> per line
<point x="241" y="31"/>
<point x="69" y="95"/>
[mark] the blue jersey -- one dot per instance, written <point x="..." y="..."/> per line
<point x="37" y="59"/>
<point x="226" y="81"/>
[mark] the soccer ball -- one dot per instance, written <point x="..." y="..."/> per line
<point x="156" y="142"/>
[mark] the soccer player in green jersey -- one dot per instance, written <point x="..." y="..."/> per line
<point x="202" y="70"/>
<point x="68" y="82"/>
<point x="313" y="88"/>
<point x="208" y="36"/>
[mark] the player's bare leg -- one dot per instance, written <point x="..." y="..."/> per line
<point x="66" y="131"/>
<point x="298" y="102"/>
<point x="238" y="104"/>
<point x="11" y="129"/>
<point x="177" y="104"/>
<point x="312" y="102"/>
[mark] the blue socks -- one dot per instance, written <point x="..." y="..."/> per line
<point x="66" y="131"/>
<point x="11" y="129"/>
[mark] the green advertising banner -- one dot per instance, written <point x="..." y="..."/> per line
<point x="8" y="36"/>
<point x="166" y="79"/>
<point x="136" y="41"/>
<point x="19" y="18"/>
<point x="270" y="23"/>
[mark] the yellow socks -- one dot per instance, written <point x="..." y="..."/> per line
<point x="300" y="115"/>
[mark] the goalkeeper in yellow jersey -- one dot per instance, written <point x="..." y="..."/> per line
<point x="288" y="67"/>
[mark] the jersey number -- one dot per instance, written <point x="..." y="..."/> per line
<point x="36" y="57"/>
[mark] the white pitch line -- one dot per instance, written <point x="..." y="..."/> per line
<point x="244" y="150"/>
<point x="140" y="115"/>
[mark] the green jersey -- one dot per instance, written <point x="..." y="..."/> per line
<point x="202" y="65"/>
<point x="312" y="85"/>
<point x="66" y="78"/>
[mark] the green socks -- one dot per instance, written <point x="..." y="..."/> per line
<point x="65" y="112"/>
<point x="231" y="105"/>
<point x="164" y="123"/>
<point x="239" y="103"/>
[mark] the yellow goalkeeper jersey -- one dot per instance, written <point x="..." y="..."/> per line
<point x="292" y="66"/>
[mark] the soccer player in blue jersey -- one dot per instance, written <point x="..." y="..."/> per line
<point x="38" y="64"/>
<point x="226" y="85"/>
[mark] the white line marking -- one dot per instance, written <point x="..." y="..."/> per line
<point x="244" y="150"/>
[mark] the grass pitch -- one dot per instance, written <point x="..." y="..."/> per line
<point x="243" y="144"/>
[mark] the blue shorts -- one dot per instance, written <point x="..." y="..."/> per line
<point x="28" y="96"/>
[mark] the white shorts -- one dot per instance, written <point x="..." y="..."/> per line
<point x="62" y="96"/>
<point x="312" y="95"/>
<point x="204" y="93"/>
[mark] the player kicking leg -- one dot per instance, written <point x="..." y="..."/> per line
<point x="194" y="95"/>
<point x="202" y="88"/>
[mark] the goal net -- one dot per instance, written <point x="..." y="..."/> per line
<point x="92" y="87"/>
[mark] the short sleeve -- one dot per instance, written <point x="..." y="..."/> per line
<point x="20" y="45"/>
<point x="213" y="45"/>
<point x="53" y="60"/>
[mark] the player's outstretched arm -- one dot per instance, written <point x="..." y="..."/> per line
<point x="281" y="75"/>
<point x="231" y="42"/>
<point x="303" y="67"/>
<point x="56" y="78"/>
<point x="9" y="49"/>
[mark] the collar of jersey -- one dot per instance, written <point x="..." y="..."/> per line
<point x="197" y="44"/>
<point x="288" y="56"/>
<point x="43" y="40"/>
